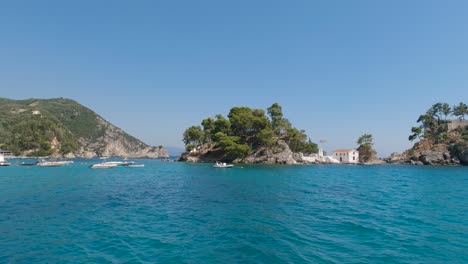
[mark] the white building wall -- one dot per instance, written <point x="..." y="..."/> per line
<point x="351" y="156"/>
<point x="310" y="159"/>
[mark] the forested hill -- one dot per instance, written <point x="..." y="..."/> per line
<point x="63" y="127"/>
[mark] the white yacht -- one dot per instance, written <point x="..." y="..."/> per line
<point x="3" y="162"/>
<point x="53" y="163"/>
<point x="107" y="165"/>
<point x="113" y="164"/>
<point x="222" y="165"/>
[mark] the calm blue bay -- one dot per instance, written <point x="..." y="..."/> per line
<point x="193" y="213"/>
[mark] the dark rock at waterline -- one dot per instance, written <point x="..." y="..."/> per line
<point x="464" y="157"/>
<point x="429" y="157"/>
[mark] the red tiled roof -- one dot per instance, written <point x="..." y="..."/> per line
<point x="344" y="150"/>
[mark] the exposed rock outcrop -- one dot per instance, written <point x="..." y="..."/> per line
<point x="203" y="154"/>
<point x="396" y="158"/>
<point x="115" y="142"/>
<point x="280" y="154"/>
<point x="375" y="161"/>
<point x="464" y="157"/>
<point x="438" y="154"/>
<point x="429" y="157"/>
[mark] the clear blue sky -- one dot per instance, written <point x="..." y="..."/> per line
<point x="338" y="68"/>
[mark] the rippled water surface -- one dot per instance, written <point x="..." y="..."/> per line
<point x="193" y="213"/>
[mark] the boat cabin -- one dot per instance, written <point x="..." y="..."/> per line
<point x="6" y="153"/>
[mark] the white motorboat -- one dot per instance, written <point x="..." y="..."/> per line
<point x="128" y="163"/>
<point x="54" y="163"/>
<point x="107" y="165"/>
<point x="3" y="162"/>
<point x="222" y="165"/>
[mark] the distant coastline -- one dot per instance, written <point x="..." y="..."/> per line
<point x="62" y="128"/>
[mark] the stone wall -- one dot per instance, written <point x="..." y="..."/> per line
<point x="453" y="124"/>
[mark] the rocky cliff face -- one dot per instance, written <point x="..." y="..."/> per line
<point x="439" y="154"/>
<point x="280" y="154"/>
<point x="115" y="142"/>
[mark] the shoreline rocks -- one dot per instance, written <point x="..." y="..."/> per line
<point x="287" y="157"/>
<point x="427" y="157"/>
<point x="280" y="154"/>
<point x="439" y="155"/>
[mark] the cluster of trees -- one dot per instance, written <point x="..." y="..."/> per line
<point x="245" y="130"/>
<point x="366" y="150"/>
<point x="433" y="124"/>
<point x="36" y="133"/>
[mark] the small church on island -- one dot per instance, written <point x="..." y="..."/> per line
<point x="346" y="155"/>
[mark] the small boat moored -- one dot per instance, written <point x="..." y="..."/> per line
<point x="53" y="163"/>
<point x="113" y="164"/>
<point x="107" y="165"/>
<point x="222" y="165"/>
<point x="3" y="162"/>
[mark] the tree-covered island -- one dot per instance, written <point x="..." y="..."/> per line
<point x="247" y="135"/>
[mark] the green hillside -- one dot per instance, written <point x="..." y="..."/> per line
<point x="43" y="127"/>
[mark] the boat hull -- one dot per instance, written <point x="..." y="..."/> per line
<point x="136" y="166"/>
<point x="109" y="165"/>
<point x="223" y="166"/>
<point x="102" y="166"/>
<point x="53" y="163"/>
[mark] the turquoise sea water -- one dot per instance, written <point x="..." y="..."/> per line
<point x="193" y="213"/>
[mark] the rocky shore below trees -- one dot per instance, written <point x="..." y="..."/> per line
<point x="438" y="156"/>
<point x="287" y="157"/>
<point x="280" y="154"/>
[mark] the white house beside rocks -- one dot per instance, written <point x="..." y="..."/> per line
<point x="318" y="158"/>
<point x="346" y="155"/>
